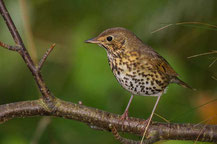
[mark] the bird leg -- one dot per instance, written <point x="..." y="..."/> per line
<point x="148" y="121"/>
<point x="124" y="116"/>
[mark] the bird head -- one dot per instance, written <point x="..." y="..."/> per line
<point x="115" y="39"/>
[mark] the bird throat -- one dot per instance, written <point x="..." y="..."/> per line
<point x="101" y="45"/>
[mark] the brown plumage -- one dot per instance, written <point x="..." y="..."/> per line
<point x="136" y="66"/>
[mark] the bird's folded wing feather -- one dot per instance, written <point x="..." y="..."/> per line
<point x="160" y="64"/>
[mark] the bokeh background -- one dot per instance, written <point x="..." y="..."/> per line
<point x="76" y="71"/>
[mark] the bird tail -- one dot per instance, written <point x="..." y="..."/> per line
<point x="181" y="83"/>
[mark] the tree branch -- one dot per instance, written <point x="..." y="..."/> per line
<point x="13" y="48"/>
<point x="45" y="57"/>
<point x="49" y="105"/>
<point x="104" y="120"/>
<point x="25" y="55"/>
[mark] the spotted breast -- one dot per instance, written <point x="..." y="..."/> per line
<point x="136" y="75"/>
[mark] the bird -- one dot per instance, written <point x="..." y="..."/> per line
<point x="137" y="67"/>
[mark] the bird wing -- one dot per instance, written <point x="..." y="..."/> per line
<point x="159" y="63"/>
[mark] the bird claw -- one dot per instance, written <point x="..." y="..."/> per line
<point x="145" y="122"/>
<point x="124" y="116"/>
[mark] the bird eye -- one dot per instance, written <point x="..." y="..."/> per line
<point x="109" y="38"/>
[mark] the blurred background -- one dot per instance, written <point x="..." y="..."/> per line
<point x="76" y="71"/>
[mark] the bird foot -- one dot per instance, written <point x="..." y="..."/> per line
<point x="145" y="122"/>
<point x="124" y="116"/>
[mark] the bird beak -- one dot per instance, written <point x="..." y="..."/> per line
<point x="93" y="40"/>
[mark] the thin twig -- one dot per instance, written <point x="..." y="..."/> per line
<point x="40" y="65"/>
<point x="213" y="62"/>
<point x="198" y="23"/>
<point x="25" y="55"/>
<point x="214" y="78"/>
<point x="206" y="120"/>
<point x="197" y="107"/>
<point x="10" y="24"/>
<point x="9" y="47"/>
<point x="201" y="131"/>
<point x="167" y="121"/>
<point x="161" y="28"/>
<point x="183" y="23"/>
<point x="202" y="54"/>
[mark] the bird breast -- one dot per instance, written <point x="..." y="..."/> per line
<point x="135" y="76"/>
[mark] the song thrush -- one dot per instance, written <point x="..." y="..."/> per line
<point x="137" y="67"/>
